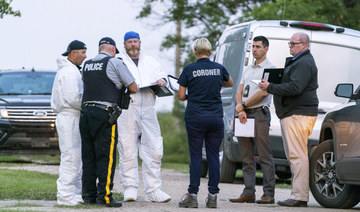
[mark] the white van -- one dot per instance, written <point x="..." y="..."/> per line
<point x="337" y="55"/>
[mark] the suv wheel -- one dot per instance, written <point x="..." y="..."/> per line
<point x="324" y="185"/>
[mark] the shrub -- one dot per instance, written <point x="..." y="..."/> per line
<point x="173" y="130"/>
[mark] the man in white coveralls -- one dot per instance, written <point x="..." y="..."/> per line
<point x="139" y="130"/>
<point x="66" y="98"/>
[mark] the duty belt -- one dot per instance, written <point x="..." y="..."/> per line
<point x="253" y="110"/>
<point x="100" y="106"/>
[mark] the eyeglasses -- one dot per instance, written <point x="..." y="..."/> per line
<point x="291" y="44"/>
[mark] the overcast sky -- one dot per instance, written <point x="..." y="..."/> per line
<point x="46" y="27"/>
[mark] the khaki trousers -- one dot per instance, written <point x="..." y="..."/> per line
<point x="295" y="131"/>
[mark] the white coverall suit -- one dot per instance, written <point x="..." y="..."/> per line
<point x="66" y="101"/>
<point x="139" y="130"/>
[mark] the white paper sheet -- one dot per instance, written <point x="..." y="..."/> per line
<point x="256" y="81"/>
<point x="245" y="130"/>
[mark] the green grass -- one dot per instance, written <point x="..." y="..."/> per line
<point x="20" y="185"/>
<point x="10" y="158"/>
<point x="37" y="159"/>
<point x="239" y="174"/>
<point x="181" y="167"/>
<point x="30" y="185"/>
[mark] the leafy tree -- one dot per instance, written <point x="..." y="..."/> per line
<point x="6" y="9"/>
<point x="192" y="19"/>
<point x="338" y="12"/>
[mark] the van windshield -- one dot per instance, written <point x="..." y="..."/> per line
<point x="26" y="83"/>
<point x="230" y="52"/>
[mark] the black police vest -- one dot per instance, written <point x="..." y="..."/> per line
<point x="97" y="85"/>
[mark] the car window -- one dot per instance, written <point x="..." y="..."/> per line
<point x="230" y="52"/>
<point x="26" y="83"/>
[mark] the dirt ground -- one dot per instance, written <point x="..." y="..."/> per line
<point x="175" y="184"/>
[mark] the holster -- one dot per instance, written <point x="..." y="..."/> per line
<point x="124" y="98"/>
<point x="115" y="114"/>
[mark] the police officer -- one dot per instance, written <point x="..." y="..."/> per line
<point x="203" y="119"/>
<point x="103" y="76"/>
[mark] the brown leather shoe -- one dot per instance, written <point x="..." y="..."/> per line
<point x="293" y="203"/>
<point x="244" y="198"/>
<point x="266" y="199"/>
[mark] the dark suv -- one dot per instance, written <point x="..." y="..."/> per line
<point x="334" y="164"/>
<point x="27" y="123"/>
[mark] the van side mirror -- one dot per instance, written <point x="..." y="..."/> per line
<point x="344" y="90"/>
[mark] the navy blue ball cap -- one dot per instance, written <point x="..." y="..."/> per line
<point x="108" y="40"/>
<point x="74" y="45"/>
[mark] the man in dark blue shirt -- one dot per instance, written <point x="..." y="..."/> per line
<point x="203" y="119"/>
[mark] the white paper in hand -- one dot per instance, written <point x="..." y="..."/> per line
<point x="245" y="130"/>
<point x="256" y="81"/>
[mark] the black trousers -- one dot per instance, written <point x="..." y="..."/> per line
<point x="99" y="140"/>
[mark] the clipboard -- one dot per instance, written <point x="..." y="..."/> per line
<point x="159" y="91"/>
<point x="174" y="85"/>
<point x="273" y="75"/>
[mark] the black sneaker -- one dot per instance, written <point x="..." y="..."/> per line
<point x="112" y="204"/>
<point x="188" y="201"/>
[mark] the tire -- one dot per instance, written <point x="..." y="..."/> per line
<point x="324" y="185"/>
<point x="283" y="175"/>
<point x="204" y="168"/>
<point x="227" y="170"/>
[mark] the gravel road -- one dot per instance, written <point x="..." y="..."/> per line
<point x="175" y="184"/>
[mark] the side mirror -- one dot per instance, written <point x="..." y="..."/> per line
<point x="344" y="90"/>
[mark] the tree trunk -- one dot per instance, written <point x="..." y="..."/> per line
<point x="178" y="49"/>
<point x="178" y="109"/>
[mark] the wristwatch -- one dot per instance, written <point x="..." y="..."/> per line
<point x="243" y="104"/>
